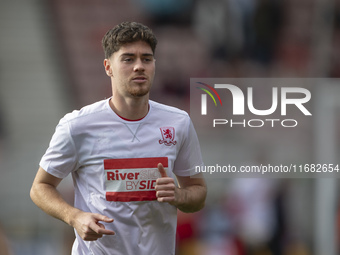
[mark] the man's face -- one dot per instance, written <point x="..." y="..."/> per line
<point x="132" y="69"/>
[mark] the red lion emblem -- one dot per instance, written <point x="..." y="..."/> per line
<point x="168" y="135"/>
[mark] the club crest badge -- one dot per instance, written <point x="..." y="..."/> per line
<point x="168" y="135"/>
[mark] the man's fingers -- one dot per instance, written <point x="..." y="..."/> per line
<point x="104" y="218"/>
<point x="165" y="199"/>
<point x="100" y="229"/>
<point x="165" y="193"/>
<point x="166" y="185"/>
<point x="104" y="231"/>
<point x="165" y="196"/>
<point x="91" y="237"/>
<point x="165" y="181"/>
<point x="161" y="170"/>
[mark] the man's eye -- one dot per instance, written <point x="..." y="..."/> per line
<point x="147" y="59"/>
<point x="127" y="59"/>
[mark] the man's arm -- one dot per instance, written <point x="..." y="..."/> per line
<point x="188" y="197"/>
<point x="45" y="195"/>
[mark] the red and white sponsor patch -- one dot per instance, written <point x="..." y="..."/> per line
<point x="132" y="179"/>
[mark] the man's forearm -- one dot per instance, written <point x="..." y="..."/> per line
<point x="87" y="225"/>
<point x="47" y="198"/>
<point x="190" y="199"/>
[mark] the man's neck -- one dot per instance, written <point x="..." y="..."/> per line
<point x="131" y="109"/>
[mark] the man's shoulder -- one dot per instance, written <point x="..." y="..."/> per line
<point x="167" y="109"/>
<point x="88" y="111"/>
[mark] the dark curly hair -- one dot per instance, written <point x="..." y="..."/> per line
<point x="127" y="32"/>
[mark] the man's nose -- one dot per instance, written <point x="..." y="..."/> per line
<point x="139" y="66"/>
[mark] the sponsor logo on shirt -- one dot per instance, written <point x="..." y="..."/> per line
<point x="168" y="135"/>
<point x="132" y="179"/>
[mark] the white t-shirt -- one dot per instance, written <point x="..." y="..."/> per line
<point x="114" y="166"/>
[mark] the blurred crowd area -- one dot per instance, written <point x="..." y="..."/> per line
<point x="197" y="38"/>
<point x="209" y="38"/>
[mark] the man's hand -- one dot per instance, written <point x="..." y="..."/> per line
<point x="88" y="227"/>
<point x="188" y="197"/>
<point x="165" y="187"/>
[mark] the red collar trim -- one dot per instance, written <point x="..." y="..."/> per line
<point x="134" y="120"/>
<point x="129" y="119"/>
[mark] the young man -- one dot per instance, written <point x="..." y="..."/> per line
<point x="131" y="159"/>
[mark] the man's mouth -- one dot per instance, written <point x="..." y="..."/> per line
<point x="139" y="79"/>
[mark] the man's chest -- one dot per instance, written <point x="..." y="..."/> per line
<point x="132" y="140"/>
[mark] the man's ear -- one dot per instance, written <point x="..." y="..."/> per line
<point x="107" y="66"/>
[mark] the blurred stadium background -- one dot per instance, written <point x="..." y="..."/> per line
<point x="51" y="63"/>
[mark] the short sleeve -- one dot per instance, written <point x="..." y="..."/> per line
<point x="60" y="158"/>
<point x="189" y="156"/>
